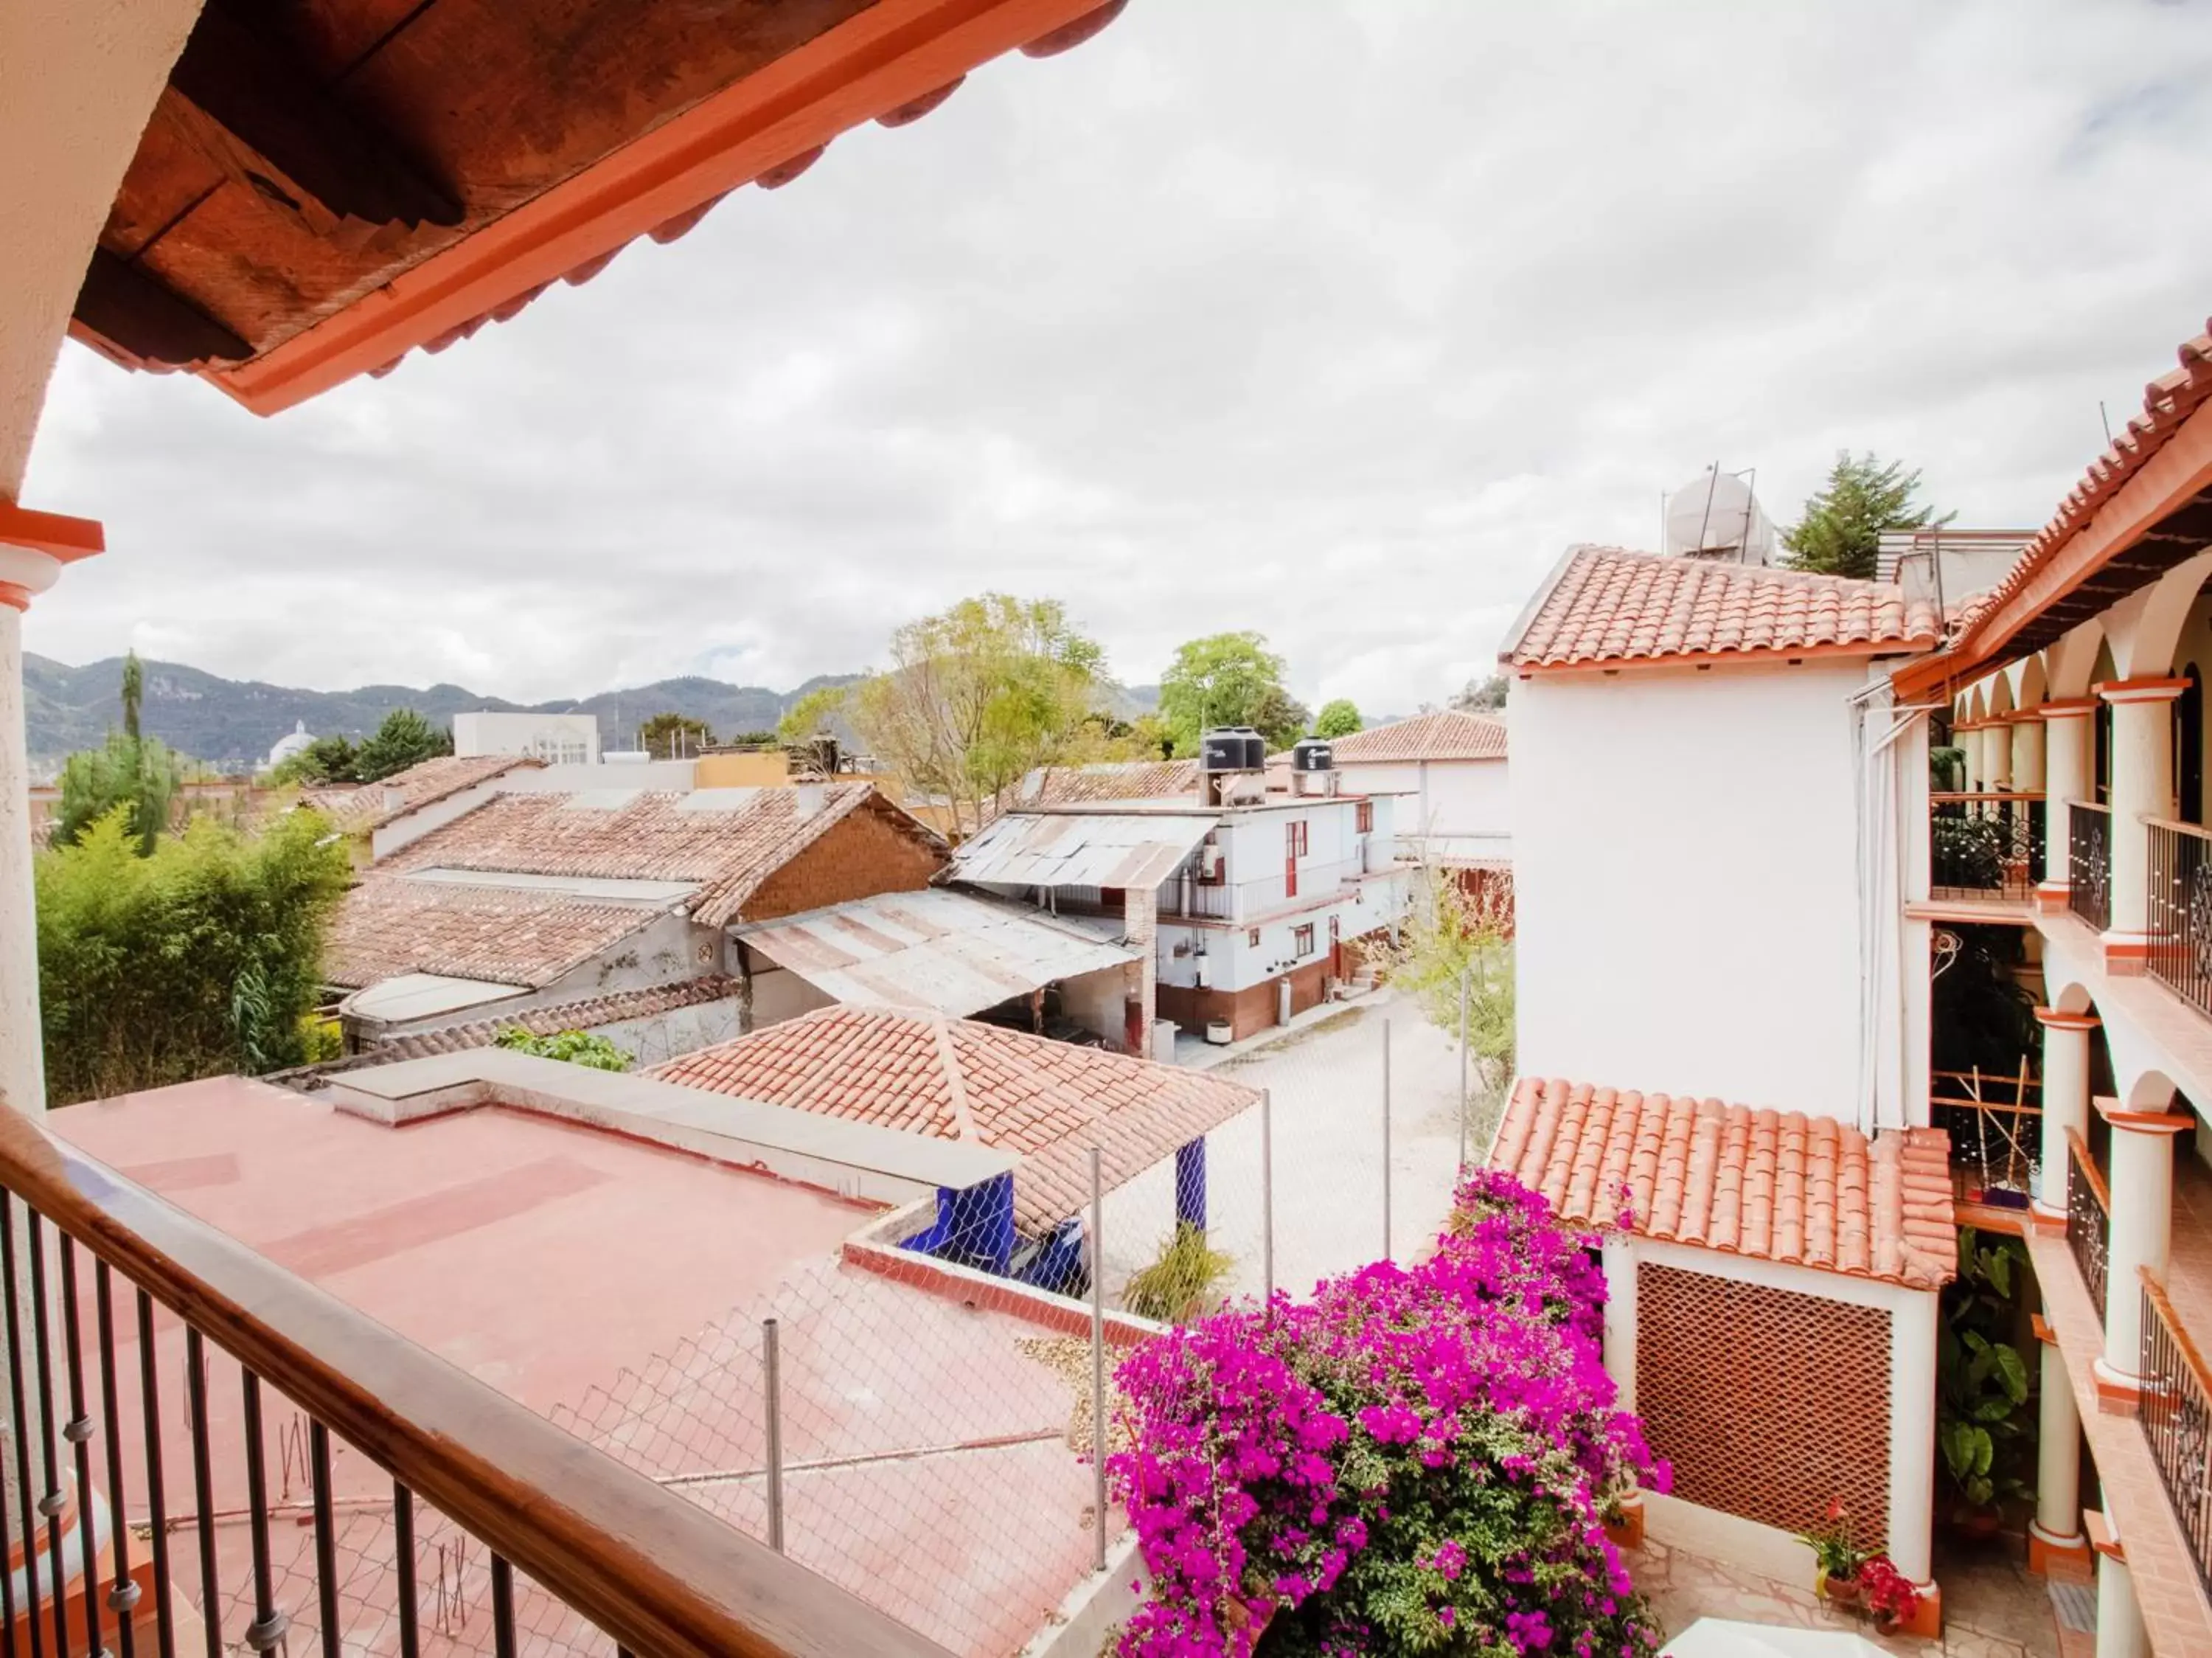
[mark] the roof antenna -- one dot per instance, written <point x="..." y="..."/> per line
<point x="2107" y="419"/>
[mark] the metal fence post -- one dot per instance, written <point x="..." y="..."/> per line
<point x="1098" y="1357"/>
<point x="1463" y="986"/>
<point x="772" y="1387"/>
<point x="1386" y="1139"/>
<point x="1268" y="1195"/>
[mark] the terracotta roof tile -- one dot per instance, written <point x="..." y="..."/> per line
<point x="387" y="926"/>
<point x="1608" y="605"/>
<point x="1774" y="1185"/>
<point x="1448" y="735"/>
<point x="958" y="1079"/>
<point x="2168" y="401"/>
<point x="648" y="835"/>
<point x="372" y="804"/>
<point x="582" y="1014"/>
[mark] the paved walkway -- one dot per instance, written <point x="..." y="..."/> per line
<point x="1992" y="1608"/>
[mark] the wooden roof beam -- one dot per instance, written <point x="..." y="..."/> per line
<point x="129" y="317"/>
<point x="262" y="118"/>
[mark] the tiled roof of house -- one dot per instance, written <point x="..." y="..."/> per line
<point x="1063" y="785"/>
<point x="729" y="840"/>
<point x="372" y="804"/>
<point x="585" y="1014"/>
<point x="388" y="925"/>
<point x="1448" y="735"/>
<point x="1607" y="606"/>
<point x="1773" y="1186"/>
<point x="2168" y="401"/>
<point x="960" y="1080"/>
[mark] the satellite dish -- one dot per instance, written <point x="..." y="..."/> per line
<point x="1715" y="516"/>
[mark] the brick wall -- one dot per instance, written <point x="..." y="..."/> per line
<point x="868" y="852"/>
<point x="1249" y="1011"/>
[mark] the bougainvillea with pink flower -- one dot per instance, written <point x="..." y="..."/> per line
<point x="1415" y="1460"/>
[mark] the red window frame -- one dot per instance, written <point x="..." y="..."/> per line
<point x="1294" y="848"/>
<point x="1366" y="826"/>
<point x="1302" y="940"/>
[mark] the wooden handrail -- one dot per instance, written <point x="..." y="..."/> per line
<point x="2088" y="1165"/>
<point x="2092" y="806"/>
<point x="1942" y="795"/>
<point x="2156" y="1292"/>
<point x="659" y="1575"/>
<point x="2196" y="829"/>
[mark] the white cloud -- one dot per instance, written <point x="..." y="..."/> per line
<point x="1339" y="327"/>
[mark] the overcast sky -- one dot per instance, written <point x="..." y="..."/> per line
<point x="1338" y="318"/>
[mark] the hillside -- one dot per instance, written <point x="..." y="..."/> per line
<point x="232" y="723"/>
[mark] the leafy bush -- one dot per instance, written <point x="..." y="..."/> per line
<point x="1187" y="1276"/>
<point x="405" y="738"/>
<point x="139" y="776"/>
<point x="1415" y="1461"/>
<point x="1984" y="1421"/>
<point x="576" y="1047"/>
<point x="203" y="956"/>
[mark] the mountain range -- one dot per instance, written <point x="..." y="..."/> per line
<point x="232" y="723"/>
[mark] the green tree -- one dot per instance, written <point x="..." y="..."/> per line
<point x="973" y="698"/>
<point x="405" y="738"/>
<point x="326" y="760"/>
<point x="575" y="1048"/>
<point x="134" y="694"/>
<point x="671" y="735"/>
<point x="1228" y="679"/>
<point x="1452" y="937"/>
<point x="201" y="956"/>
<point x="1841" y="530"/>
<point x="137" y="777"/>
<point x="820" y="710"/>
<point x="1338" y="718"/>
<point x="1481" y="696"/>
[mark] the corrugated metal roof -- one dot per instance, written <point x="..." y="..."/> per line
<point x="938" y="951"/>
<point x="1076" y="848"/>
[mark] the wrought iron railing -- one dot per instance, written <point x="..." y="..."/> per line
<point x="1985" y="846"/>
<point x="2180" y="911"/>
<point x="457" y="1520"/>
<point x="1995" y="1125"/>
<point x="2088" y="1218"/>
<point x="2176" y="1412"/>
<point x="2089" y="861"/>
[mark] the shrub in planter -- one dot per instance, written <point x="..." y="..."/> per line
<point x="1416" y="1460"/>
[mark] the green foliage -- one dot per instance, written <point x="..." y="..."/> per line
<point x="326" y="760"/>
<point x="813" y="714"/>
<point x="1982" y="1410"/>
<point x="405" y="738"/>
<point x="576" y="1047"/>
<point x="1338" y="718"/>
<point x="973" y="698"/>
<point x="671" y="736"/>
<point x="1946" y="769"/>
<point x="1182" y="1282"/>
<point x="1481" y="696"/>
<point x="138" y="776"/>
<point x="134" y="694"/>
<point x="1452" y="938"/>
<point x="1228" y="679"/>
<point x="1841" y="530"/>
<point x="200" y="956"/>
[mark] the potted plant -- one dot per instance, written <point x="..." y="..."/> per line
<point x="1890" y="1597"/>
<point x="1837" y="1558"/>
<point x="1981" y="1414"/>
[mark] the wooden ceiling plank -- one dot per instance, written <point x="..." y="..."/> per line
<point x="255" y="112"/>
<point x="127" y="315"/>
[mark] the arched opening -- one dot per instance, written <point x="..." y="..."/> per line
<point x="2105" y="671"/>
<point x="1985" y="1055"/>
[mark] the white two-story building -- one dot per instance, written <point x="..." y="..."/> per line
<point x="1252" y="902"/>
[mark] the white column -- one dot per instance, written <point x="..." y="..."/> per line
<point x="1968" y="740"/>
<point x="1996" y="753"/>
<point x="2120" y="1631"/>
<point x="2054" y="1535"/>
<point x="2027" y="754"/>
<point x="2065" y="1103"/>
<point x="1619" y="1257"/>
<point x="1912" y="1436"/>
<point x="2068" y="753"/>
<point x="2142" y="787"/>
<point x="2141" y="1181"/>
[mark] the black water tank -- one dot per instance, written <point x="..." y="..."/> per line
<point x="1313" y="754"/>
<point x="1232" y="748"/>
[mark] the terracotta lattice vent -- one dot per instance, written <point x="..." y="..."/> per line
<point x="1771" y="1404"/>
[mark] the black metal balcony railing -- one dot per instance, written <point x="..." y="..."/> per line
<point x="2088" y="1219"/>
<point x="420" y="1510"/>
<point x="2089" y="862"/>
<point x="2176" y="1413"/>
<point x="2180" y="906"/>
<point x="1985" y="846"/>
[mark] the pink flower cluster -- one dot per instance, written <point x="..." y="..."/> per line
<point x="1415" y="1460"/>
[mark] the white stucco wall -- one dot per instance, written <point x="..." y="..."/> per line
<point x="1686" y="882"/>
<point x="1440" y="797"/>
<point x="540" y="735"/>
<point x="779" y="994"/>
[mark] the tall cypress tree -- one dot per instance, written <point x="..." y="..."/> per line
<point x="1841" y="530"/>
